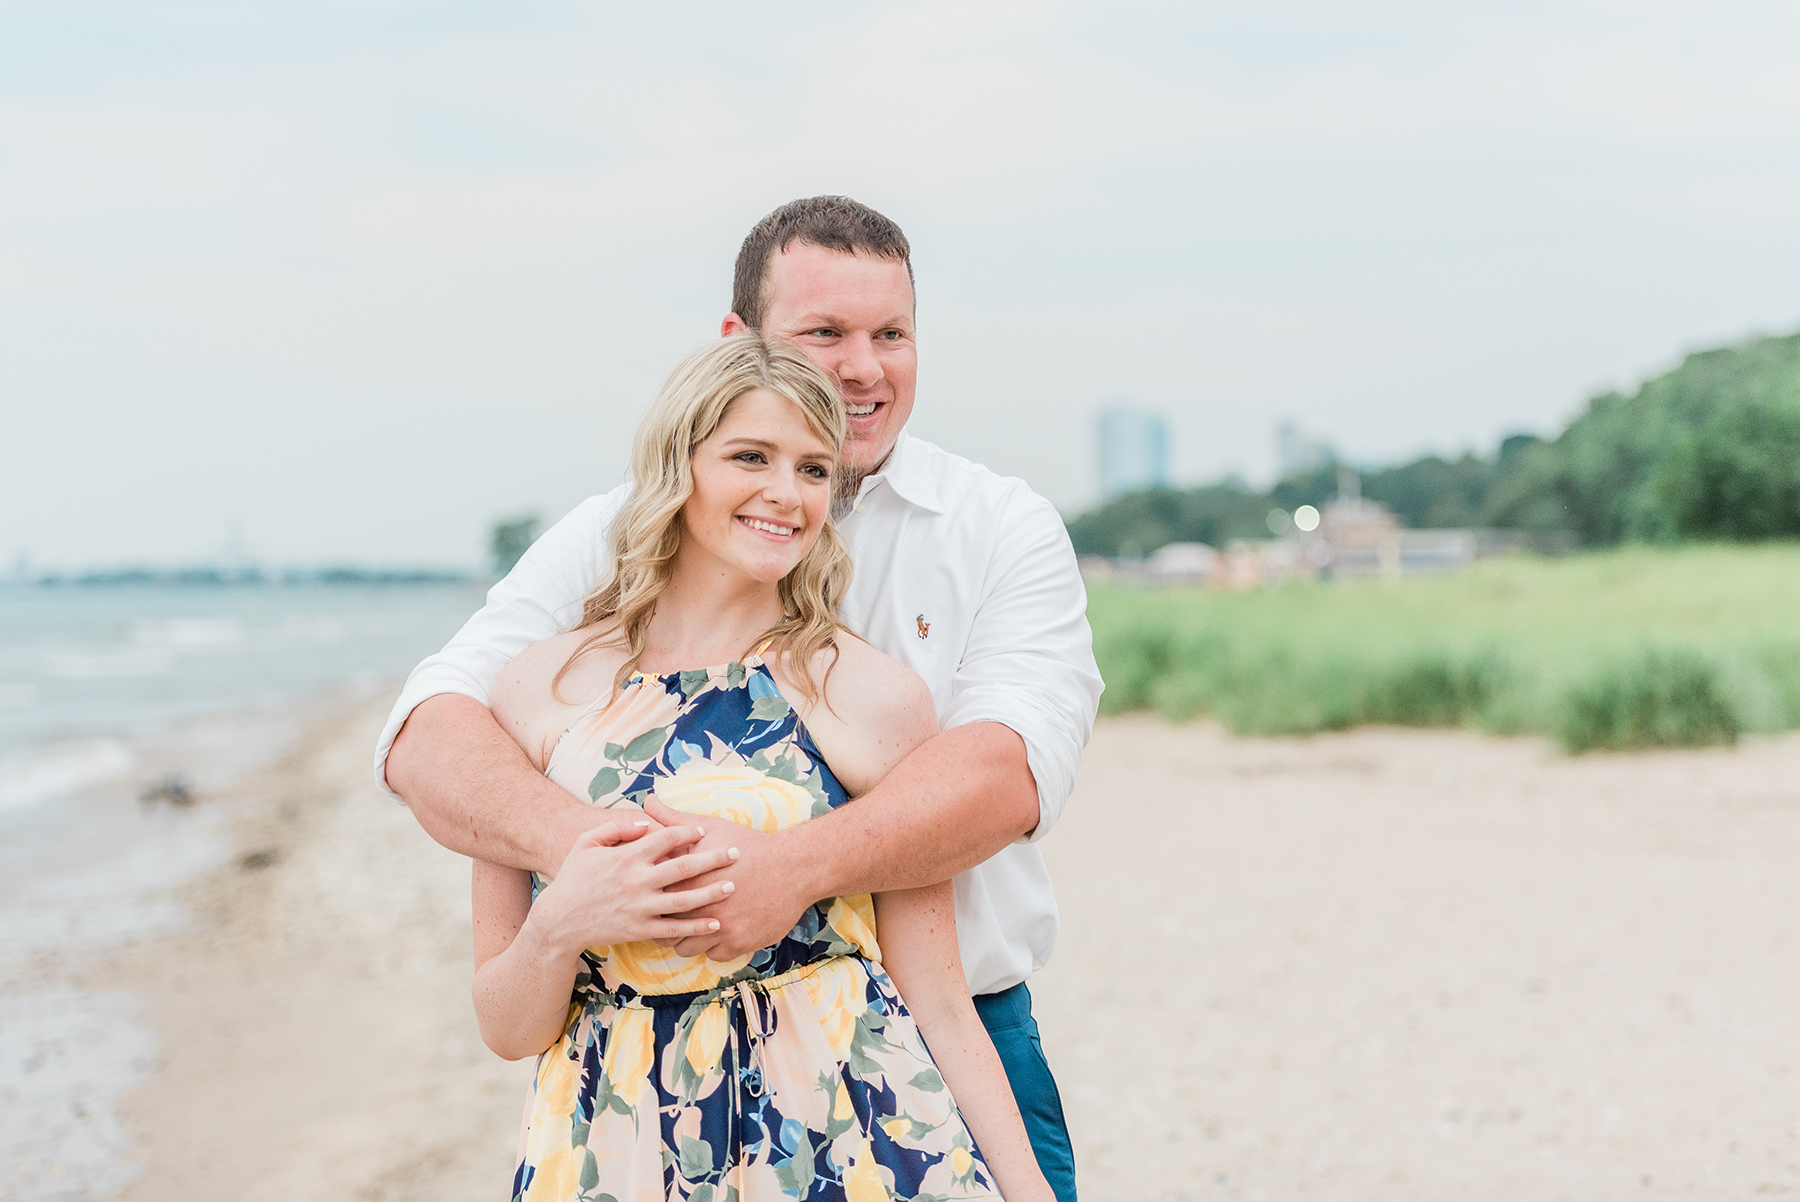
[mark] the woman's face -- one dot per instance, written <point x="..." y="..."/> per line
<point x="762" y="489"/>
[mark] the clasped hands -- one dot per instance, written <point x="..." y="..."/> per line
<point x="664" y="876"/>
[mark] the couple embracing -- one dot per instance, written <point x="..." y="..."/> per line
<point x="829" y="685"/>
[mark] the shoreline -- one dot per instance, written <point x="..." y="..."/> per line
<point x="89" y="874"/>
<point x="1406" y="964"/>
<point x="315" y="1034"/>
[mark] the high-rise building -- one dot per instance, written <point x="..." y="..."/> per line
<point x="1134" y="451"/>
<point x="1297" y="453"/>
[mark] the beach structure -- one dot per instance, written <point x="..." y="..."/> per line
<point x="1190" y="563"/>
<point x="1347" y="537"/>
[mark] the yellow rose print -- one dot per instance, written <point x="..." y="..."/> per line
<point x="863" y="1182"/>
<point x="558" y="1175"/>
<point x="557" y="1078"/>
<point x="630" y="1049"/>
<point x="837" y="992"/>
<point x="647" y="967"/>
<point x="841" y="1108"/>
<point x="853" y="918"/>
<point x="706" y="1038"/>
<point x="737" y="793"/>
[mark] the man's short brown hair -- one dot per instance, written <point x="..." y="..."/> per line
<point x="833" y="222"/>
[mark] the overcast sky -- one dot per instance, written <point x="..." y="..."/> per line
<point x="357" y="279"/>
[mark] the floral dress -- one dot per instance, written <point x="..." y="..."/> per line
<point x="791" y="1073"/>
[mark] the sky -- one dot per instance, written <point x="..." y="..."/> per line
<point x="347" y="282"/>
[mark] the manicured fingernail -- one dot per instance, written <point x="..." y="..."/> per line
<point x="700" y="831"/>
<point x="640" y="824"/>
<point x="727" y="887"/>
<point x="713" y="925"/>
<point x="731" y="853"/>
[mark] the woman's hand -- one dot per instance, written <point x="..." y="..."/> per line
<point x="615" y="886"/>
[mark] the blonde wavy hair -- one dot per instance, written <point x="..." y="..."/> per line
<point x="647" y="532"/>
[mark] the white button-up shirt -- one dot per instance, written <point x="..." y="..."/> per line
<point x="964" y="575"/>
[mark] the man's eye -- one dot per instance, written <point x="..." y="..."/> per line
<point x="823" y="332"/>
<point x="892" y="335"/>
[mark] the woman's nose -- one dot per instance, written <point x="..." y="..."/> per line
<point x="782" y="492"/>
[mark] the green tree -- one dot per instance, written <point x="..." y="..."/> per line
<point x="1737" y="477"/>
<point x="510" y="539"/>
<point x="1708" y="450"/>
<point x="1140" y="522"/>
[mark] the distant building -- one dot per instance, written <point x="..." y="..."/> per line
<point x="1297" y="453"/>
<point x="1134" y="451"/>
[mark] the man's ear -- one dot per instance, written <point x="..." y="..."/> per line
<point x="733" y="324"/>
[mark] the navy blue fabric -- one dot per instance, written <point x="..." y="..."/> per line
<point x="1007" y="1017"/>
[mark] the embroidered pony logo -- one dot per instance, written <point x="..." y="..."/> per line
<point x="924" y="627"/>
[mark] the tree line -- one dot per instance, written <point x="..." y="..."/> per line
<point x="1708" y="451"/>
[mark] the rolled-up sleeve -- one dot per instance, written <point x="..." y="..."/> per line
<point x="1029" y="661"/>
<point x="540" y="598"/>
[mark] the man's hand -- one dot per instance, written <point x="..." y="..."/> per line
<point x="770" y="895"/>
<point x="624" y="882"/>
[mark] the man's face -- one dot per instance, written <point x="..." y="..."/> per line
<point x="853" y="316"/>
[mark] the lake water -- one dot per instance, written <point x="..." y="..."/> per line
<point x="103" y="693"/>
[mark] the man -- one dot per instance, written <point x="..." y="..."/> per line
<point x="965" y="576"/>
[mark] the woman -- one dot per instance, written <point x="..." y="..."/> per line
<point x="796" y="1071"/>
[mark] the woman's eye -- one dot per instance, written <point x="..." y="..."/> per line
<point x="750" y="457"/>
<point x="817" y="471"/>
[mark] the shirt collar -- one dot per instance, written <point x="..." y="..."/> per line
<point x="907" y="474"/>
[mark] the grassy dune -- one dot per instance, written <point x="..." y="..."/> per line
<point x="1629" y="648"/>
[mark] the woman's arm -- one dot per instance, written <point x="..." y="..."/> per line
<point x="610" y="889"/>
<point x="918" y="945"/>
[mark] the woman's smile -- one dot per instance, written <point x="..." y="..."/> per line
<point x="768" y="526"/>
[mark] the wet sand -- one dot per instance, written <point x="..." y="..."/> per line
<point x="316" y="1035"/>
<point x="1385" y="964"/>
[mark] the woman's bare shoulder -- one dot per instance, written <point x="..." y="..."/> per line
<point x="873" y="711"/>
<point x="873" y="682"/>
<point x="531" y="705"/>
<point x="532" y="669"/>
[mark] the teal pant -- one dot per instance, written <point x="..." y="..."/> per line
<point x="1007" y="1017"/>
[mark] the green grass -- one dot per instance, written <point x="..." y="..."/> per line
<point x="1637" y="647"/>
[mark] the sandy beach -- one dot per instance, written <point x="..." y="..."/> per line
<point x="1384" y="964"/>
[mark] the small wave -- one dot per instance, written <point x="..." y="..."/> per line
<point x="189" y="634"/>
<point x="38" y="776"/>
<point x="106" y="665"/>
<point x="319" y="632"/>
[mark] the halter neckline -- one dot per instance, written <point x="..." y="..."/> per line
<point x="748" y="664"/>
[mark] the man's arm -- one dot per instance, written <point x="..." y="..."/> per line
<point x="952" y="803"/>
<point x="955" y="801"/>
<point x="474" y="791"/>
<point x="1019" y="715"/>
